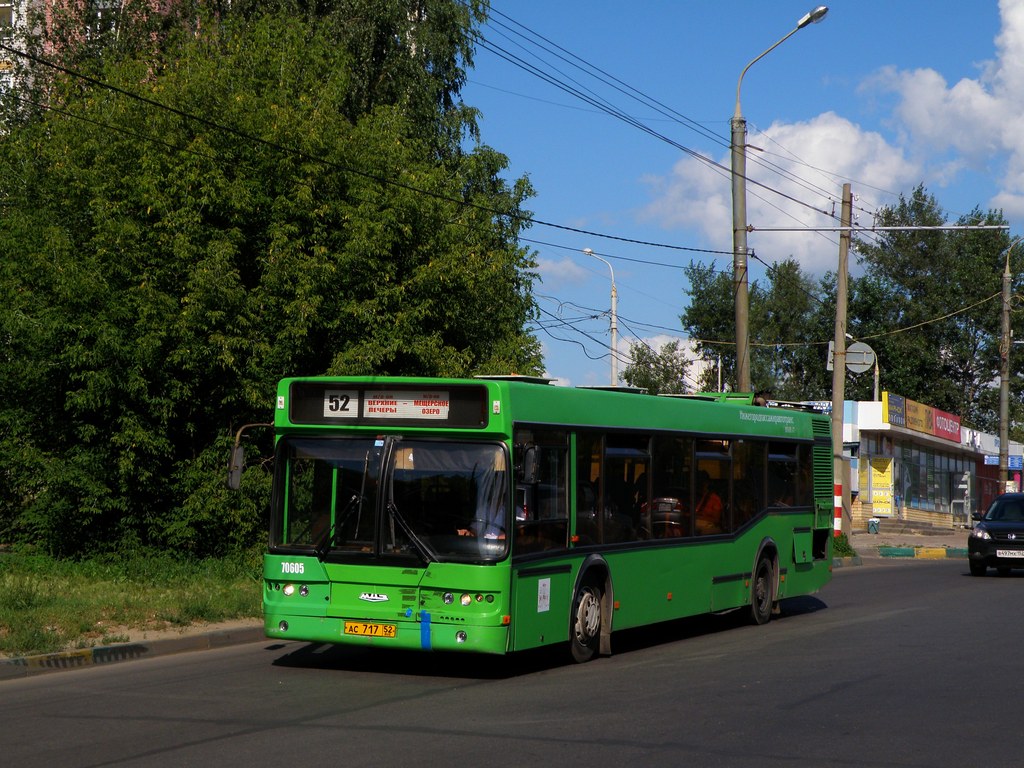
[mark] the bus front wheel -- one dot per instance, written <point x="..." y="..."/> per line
<point x="585" y="622"/>
<point x="762" y="592"/>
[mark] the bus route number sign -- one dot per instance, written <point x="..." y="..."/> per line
<point x="341" y="404"/>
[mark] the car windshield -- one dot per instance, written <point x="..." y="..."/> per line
<point x="389" y="497"/>
<point x="1006" y="510"/>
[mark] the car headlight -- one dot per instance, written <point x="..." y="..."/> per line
<point x="980" y="533"/>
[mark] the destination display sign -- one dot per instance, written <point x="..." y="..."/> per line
<point x="407" y="405"/>
<point x="326" y="402"/>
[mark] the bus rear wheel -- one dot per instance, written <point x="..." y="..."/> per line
<point x="585" y="622"/>
<point x="762" y="593"/>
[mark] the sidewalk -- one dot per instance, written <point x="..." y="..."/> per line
<point x="932" y="545"/>
<point x="197" y="638"/>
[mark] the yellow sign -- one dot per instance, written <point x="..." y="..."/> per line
<point x="881" y="487"/>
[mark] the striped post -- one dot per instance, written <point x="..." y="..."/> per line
<point x="838" y="502"/>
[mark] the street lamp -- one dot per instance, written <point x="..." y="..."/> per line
<point x="739" y="213"/>
<point x="1005" y="343"/>
<point x="615" y="324"/>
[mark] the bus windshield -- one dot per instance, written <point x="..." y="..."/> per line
<point x="391" y="497"/>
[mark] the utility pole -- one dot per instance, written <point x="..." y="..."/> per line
<point x="614" y="318"/>
<point x="738" y="153"/>
<point x="1005" y="342"/>
<point x="839" y="361"/>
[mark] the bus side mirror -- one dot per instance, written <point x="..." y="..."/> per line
<point x="235" y="467"/>
<point x="237" y="462"/>
<point x="528" y="469"/>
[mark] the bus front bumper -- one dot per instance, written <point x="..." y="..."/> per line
<point x="421" y="634"/>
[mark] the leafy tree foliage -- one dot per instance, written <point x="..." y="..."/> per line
<point x="287" y="214"/>
<point x="710" y="321"/>
<point x="661" y="372"/>
<point x="928" y="302"/>
<point x="787" y="350"/>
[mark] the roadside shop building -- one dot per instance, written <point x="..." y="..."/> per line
<point x="916" y="463"/>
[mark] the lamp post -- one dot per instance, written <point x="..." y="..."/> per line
<point x="614" y="319"/>
<point x="839" y="364"/>
<point x="1005" y="343"/>
<point x="739" y="212"/>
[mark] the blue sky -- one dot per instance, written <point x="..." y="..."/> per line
<point x="883" y="94"/>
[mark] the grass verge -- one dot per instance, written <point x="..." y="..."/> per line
<point x="49" y="605"/>
<point x="841" y="546"/>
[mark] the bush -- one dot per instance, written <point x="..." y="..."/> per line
<point x="98" y="601"/>
<point x="841" y="546"/>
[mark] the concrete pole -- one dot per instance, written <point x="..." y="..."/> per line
<point x="615" y="334"/>
<point x="1005" y="343"/>
<point x="739" y="246"/>
<point x="739" y="211"/>
<point x="614" y="317"/>
<point x="839" y="358"/>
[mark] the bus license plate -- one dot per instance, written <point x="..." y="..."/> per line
<point x="366" y="629"/>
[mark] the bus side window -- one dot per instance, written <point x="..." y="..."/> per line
<point x="668" y="514"/>
<point x="782" y="475"/>
<point x="748" y="470"/>
<point x="542" y="520"/>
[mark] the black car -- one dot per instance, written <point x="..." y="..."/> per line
<point x="997" y="540"/>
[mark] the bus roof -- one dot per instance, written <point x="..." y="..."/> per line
<point x="493" y="404"/>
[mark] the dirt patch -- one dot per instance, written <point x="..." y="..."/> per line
<point x="114" y="635"/>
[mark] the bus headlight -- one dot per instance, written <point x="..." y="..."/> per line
<point x="460" y="637"/>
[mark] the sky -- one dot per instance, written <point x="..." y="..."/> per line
<point x="884" y="95"/>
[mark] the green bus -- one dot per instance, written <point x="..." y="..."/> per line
<point x="499" y="514"/>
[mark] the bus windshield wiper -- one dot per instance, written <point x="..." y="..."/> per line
<point x="421" y="546"/>
<point x="327" y="540"/>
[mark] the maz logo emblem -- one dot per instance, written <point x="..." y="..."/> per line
<point x="373" y="597"/>
<point x="1011" y="535"/>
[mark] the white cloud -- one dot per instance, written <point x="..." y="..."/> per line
<point x="973" y="124"/>
<point x="787" y="158"/>
<point x="937" y="133"/>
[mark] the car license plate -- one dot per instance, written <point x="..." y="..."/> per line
<point x="1010" y="553"/>
<point x="367" y="629"/>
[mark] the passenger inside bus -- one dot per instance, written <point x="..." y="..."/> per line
<point x="709" y="506"/>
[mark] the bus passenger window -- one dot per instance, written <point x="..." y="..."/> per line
<point x="748" y="469"/>
<point x="709" y="509"/>
<point x="782" y="475"/>
<point x="542" y="501"/>
<point x="668" y="514"/>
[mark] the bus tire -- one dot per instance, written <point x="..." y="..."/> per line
<point x="585" y="622"/>
<point x="762" y="591"/>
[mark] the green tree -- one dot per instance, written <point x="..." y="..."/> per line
<point x="162" y="268"/>
<point x="709" y="320"/>
<point x="788" y="327"/>
<point x="929" y="304"/>
<point x="791" y="324"/>
<point x="661" y="372"/>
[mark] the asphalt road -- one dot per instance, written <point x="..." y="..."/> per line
<point x="897" y="663"/>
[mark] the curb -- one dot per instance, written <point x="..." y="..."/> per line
<point x="111" y="654"/>
<point x="887" y="552"/>
<point x="927" y="553"/>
